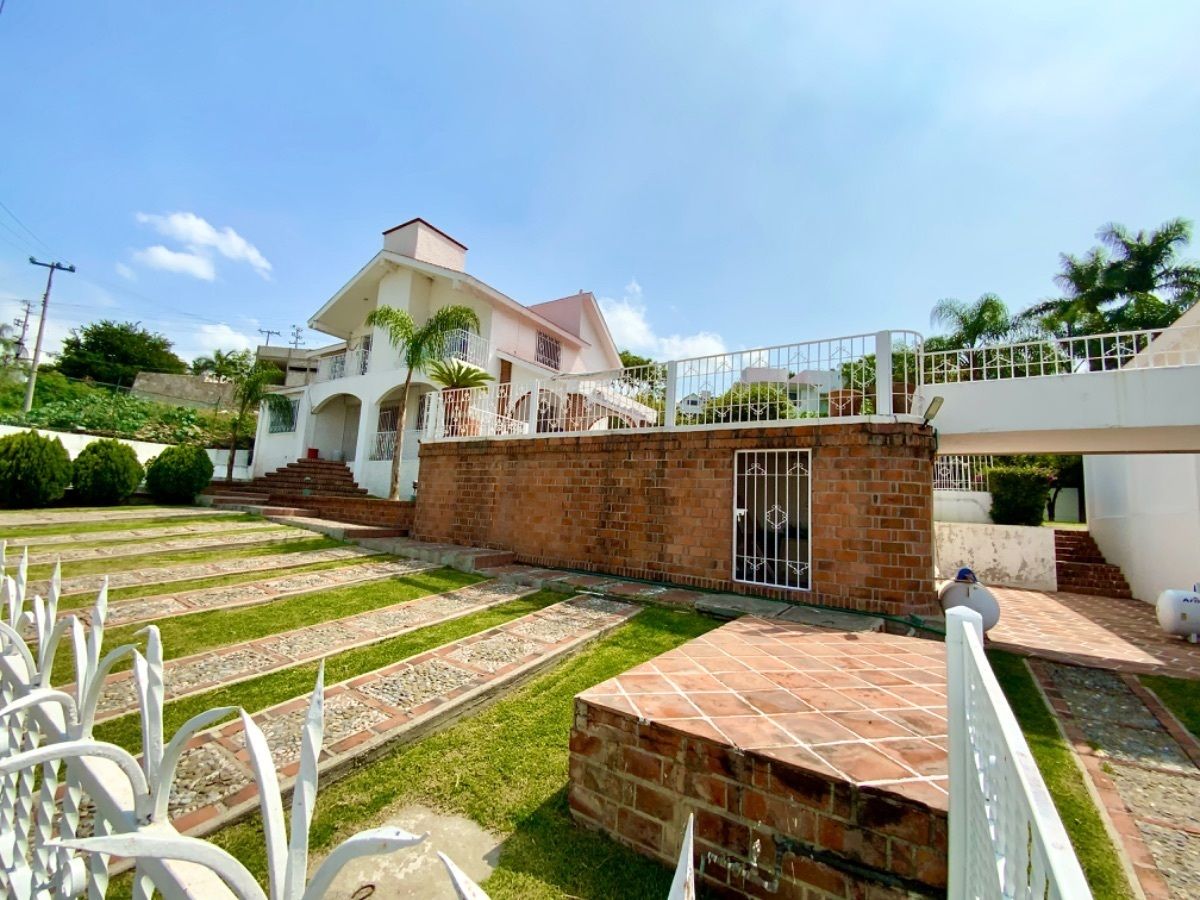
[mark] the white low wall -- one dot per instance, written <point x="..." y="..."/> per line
<point x="145" y="450"/>
<point x="1007" y="555"/>
<point x="976" y="506"/>
<point x="1144" y="512"/>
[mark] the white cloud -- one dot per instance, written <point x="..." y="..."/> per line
<point x="204" y="339"/>
<point x="202" y="238"/>
<point x="160" y="257"/>
<point x="126" y="272"/>
<point x="631" y="330"/>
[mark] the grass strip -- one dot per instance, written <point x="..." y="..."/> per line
<point x="183" y="635"/>
<point x="1099" y="857"/>
<point x="116" y="523"/>
<point x="1180" y="696"/>
<point x="506" y="768"/>
<point x="259" y="693"/>
<point x="108" y="565"/>
<point x="99" y="542"/>
<point x="151" y="589"/>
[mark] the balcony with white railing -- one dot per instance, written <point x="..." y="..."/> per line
<point x="344" y="364"/>
<point x="467" y="347"/>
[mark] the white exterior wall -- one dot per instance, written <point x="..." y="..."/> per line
<point x="962" y="506"/>
<point x="1017" y="556"/>
<point x="73" y="443"/>
<point x="1144" y="512"/>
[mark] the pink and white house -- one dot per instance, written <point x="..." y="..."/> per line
<point x="345" y="396"/>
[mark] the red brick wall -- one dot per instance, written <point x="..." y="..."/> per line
<point x="361" y="510"/>
<point x="659" y="506"/>
<point x="763" y="828"/>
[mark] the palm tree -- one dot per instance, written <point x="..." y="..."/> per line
<point x="252" y="382"/>
<point x="420" y="347"/>
<point x="455" y="378"/>
<point x="221" y="365"/>
<point x="972" y="324"/>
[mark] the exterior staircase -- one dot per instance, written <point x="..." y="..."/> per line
<point x="1082" y="568"/>
<point x="311" y="488"/>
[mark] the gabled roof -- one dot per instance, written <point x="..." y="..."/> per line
<point x="568" y="312"/>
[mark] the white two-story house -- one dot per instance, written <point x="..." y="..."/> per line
<point x="345" y="397"/>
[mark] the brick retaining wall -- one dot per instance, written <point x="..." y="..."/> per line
<point x="658" y="506"/>
<point x="396" y="514"/>
<point x="764" y="828"/>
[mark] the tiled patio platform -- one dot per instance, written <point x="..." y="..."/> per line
<point x="1098" y="632"/>
<point x="814" y="759"/>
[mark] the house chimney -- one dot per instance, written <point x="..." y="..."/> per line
<point x="418" y="239"/>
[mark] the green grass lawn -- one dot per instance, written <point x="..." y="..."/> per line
<point x="506" y="768"/>
<point x="1056" y="760"/>
<point x="29" y="532"/>
<point x="185" y="635"/>
<point x="1181" y="696"/>
<point x="256" y="694"/>
<point x="303" y="541"/>
<point x="250" y="527"/>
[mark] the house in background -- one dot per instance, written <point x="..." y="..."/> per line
<point x="346" y="396"/>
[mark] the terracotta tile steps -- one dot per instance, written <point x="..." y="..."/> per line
<point x="396" y="704"/>
<point x="250" y="659"/>
<point x="1082" y="569"/>
<point x="813" y="759"/>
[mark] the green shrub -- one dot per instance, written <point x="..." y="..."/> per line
<point x="34" y="470"/>
<point x="106" y="472"/>
<point x="178" y="474"/>
<point x="750" y="403"/>
<point x="1019" y="494"/>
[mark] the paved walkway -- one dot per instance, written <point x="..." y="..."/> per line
<point x="250" y="593"/>
<point x="131" y="534"/>
<point x="1100" y="632"/>
<point x="210" y="569"/>
<point x="25" y="518"/>
<point x="1145" y="769"/>
<point x="237" y="536"/>
<point x="214" y="782"/>
<point x="237" y="662"/>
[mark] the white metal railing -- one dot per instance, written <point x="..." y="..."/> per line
<point x="1006" y="838"/>
<point x="383" y="445"/>
<point x="966" y="472"/>
<point x="1149" y="349"/>
<point x="346" y="363"/>
<point x="283" y="420"/>
<point x="870" y="374"/>
<point x="468" y="347"/>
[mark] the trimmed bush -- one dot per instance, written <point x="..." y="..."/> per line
<point x="178" y="474"/>
<point x="34" y="470"/>
<point x="1019" y="494"/>
<point x="106" y="472"/>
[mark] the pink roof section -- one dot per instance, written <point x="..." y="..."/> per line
<point x="568" y="312"/>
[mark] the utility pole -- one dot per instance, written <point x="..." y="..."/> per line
<point x="297" y="337"/>
<point x="41" y="332"/>
<point x="23" y="323"/>
<point x="268" y="332"/>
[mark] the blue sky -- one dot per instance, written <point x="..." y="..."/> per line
<point x="724" y="174"/>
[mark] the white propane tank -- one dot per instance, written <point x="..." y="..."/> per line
<point x="1179" y="612"/>
<point x="965" y="590"/>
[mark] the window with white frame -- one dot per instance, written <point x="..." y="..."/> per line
<point x="548" y="351"/>
<point x="283" y="419"/>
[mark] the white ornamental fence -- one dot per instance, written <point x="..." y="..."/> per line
<point x="70" y="805"/>
<point x="1006" y="839"/>
<point x="961" y="473"/>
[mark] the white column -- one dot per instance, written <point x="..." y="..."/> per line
<point x="669" y="417"/>
<point x="368" y="421"/>
<point x="883" y="373"/>
<point x="532" y="417"/>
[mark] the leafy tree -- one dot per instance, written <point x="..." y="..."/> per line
<point x="750" y="403"/>
<point x="631" y="360"/>
<point x="419" y="347"/>
<point x="106" y="472"/>
<point x="34" y="470"/>
<point x="114" y="352"/>
<point x="178" y="474"/>
<point x="1063" y="472"/>
<point x="252" y="382"/>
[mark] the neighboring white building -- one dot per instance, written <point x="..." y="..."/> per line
<point x="347" y="408"/>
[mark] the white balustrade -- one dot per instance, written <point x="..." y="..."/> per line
<point x="468" y="347"/>
<point x="1006" y="838"/>
<point x="960" y="473"/>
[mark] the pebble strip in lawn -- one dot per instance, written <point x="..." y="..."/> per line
<point x="148" y="532"/>
<point x="225" y="538"/>
<point x="78" y="584"/>
<point x="204" y="671"/>
<point x="143" y="609"/>
<point x="67" y="516"/>
<point x="215" y="784"/>
<point x="1146" y="771"/>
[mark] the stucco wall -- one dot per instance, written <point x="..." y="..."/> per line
<point x="962" y="506"/>
<point x="1144" y="512"/>
<point x="1009" y="555"/>
<point x="182" y="390"/>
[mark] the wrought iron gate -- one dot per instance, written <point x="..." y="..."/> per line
<point x="771" y="516"/>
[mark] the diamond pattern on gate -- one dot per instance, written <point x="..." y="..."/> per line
<point x="776" y="517"/>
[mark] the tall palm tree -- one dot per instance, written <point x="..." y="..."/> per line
<point x="972" y="324"/>
<point x="222" y="365"/>
<point x="419" y="347"/>
<point x="252" y="382"/>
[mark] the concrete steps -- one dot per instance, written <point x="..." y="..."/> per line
<point x="1082" y="568"/>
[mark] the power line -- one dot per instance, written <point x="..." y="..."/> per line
<point x="29" y="230"/>
<point x="41" y="332"/>
<point x="268" y="332"/>
<point x="297" y="337"/>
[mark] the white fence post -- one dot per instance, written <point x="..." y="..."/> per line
<point x="672" y="402"/>
<point x="961" y="766"/>
<point x="883" y="373"/>
<point x="535" y="397"/>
